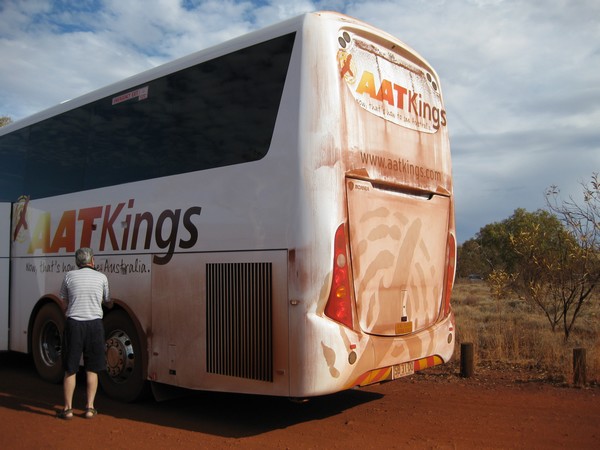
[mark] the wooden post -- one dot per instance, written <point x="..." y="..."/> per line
<point x="579" y="371"/>
<point x="466" y="359"/>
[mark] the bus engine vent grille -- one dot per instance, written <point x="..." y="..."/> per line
<point x="239" y="320"/>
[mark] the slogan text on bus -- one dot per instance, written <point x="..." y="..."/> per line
<point x="113" y="227"/>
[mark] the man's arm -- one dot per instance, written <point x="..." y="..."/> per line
<point x="107" y="301"/>
<point x="64" y="296"/>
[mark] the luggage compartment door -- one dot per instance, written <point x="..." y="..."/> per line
<point x="398" y="245"/>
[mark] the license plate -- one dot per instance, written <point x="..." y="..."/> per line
<point x="402" y="370"/>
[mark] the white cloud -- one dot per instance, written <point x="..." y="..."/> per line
<point x="273" y="12"/>
<point x="520" y="77"/>
<point x="167" y="29"/>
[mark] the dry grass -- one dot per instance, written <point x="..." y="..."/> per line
<point x="510" y="331"/>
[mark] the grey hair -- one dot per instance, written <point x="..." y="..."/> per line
<point x="83" y="256"/>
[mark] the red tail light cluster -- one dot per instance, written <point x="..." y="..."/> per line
<point x="339" y="304"/>
<point x="450" y="272"/>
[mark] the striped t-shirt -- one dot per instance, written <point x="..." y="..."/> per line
<point x="84" y="290"/>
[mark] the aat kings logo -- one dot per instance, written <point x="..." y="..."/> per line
<point x="20" y="219"/>
<point x="112" y="227"/>
<point x="389" y="86"/>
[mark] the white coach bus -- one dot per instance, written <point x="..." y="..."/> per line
<point x="274" y="215"/>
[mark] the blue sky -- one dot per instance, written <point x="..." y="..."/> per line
<point x="521" y="79"/>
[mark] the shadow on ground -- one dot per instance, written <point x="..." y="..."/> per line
<point x="226" y="415"/>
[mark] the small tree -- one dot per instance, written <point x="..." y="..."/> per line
<point x="5" y="120"/>
<point x="558" y="263"/>
<point x="548" y="259"/>
<point x="579" y="254"/>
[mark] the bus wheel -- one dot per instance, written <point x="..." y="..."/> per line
<point x="46" y="342"/>
<point x="124" y="378"/>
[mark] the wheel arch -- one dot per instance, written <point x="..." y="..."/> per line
<point x="50" y="298"/>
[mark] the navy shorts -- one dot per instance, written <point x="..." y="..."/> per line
<point x="84" y="338"/>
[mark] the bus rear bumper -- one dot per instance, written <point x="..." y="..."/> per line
<point x="345" y="358"/>
<point x="404" y="355"/>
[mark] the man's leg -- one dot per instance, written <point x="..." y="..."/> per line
<point x="95" y="360"/>
<point x="71" y="355"/>
<point x="69" y="383"/>
<point x="92" y="387"/>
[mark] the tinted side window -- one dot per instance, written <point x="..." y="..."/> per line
<point x="56" y="154"/>
<point x="217" y="113"/>
<point x="13" y="150"/>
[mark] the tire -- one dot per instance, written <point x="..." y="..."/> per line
<point x="46" y="342"/>
<point x="124" y="378"/>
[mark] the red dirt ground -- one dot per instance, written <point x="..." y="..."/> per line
<point x="435" y="409"/>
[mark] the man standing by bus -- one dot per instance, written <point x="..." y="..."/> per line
<point x="83" y="291"/>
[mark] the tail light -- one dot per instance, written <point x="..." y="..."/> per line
<point x="450" y="272"/>
<point x="339" y="304"/>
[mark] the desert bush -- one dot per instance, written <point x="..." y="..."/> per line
<point x="509" y="330"/>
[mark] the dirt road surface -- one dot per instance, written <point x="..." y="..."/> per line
<point x="437" y="410"/>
